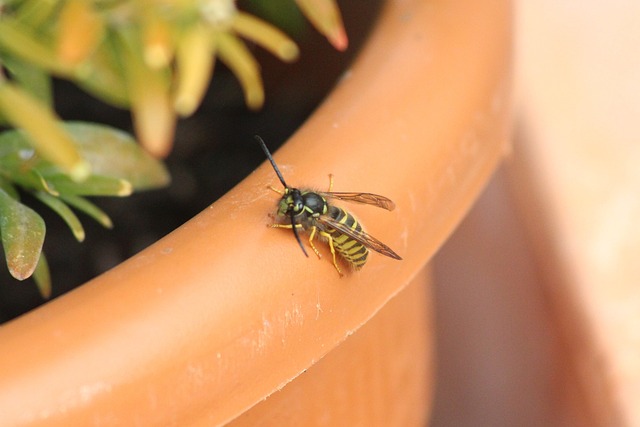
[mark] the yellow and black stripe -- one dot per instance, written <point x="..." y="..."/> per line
<point x="354" y="252"/>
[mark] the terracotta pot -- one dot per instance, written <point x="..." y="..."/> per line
<point x="578" y="182"/>
<point x="224" y="311"/>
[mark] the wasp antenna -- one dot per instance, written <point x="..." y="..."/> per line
<point x="273" y="163"/>
<point x="295" y="233"/>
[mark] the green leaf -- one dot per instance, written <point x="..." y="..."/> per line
<point x="19" y="40"/>
<point x="118" y="162"/>
<point x="34" y="13"/>
<point x="23" y="233"/>
<point x="42" y="129"/>
<point x="95" y="185"/>
<point x="9" y="188"/>
<point x="88" y="208"/>
<point x="15" y="148"/>
<point x="114" y="153"/>
<point x="34" y="181"/>
<point x="102" y="76"/>
<point x="20" y="163"/>
<point x="30" y="78"/>
<point x="59" y="207"/>
<point x="42" y="277"/>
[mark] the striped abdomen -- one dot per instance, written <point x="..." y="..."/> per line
<point x="350" y="249"/>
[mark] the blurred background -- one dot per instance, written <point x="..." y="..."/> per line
<point x="538" y="298"/>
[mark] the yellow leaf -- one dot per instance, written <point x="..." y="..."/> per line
<point x="44" y="130"/>
<point x="238" y="58"/>
<point x="265" y="35"/>
<point x="194" y="67"/>
<point x="80" y="29"/>
<point x="325" y="16"/>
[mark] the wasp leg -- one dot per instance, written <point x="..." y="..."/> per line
<point x="333" y="250"/>
<point x="272" y="188"/>
<point x="283" y="225"/>
<point x="311" y="236"/>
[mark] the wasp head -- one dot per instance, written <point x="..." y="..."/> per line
<point x="292" y="203"/>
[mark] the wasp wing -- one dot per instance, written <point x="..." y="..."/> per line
<point x="365" y="198"/>
<point x="359" y="236"/>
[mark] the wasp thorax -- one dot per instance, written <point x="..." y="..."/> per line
<point x="315" y="203"/>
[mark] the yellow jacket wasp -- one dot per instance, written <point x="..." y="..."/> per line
<point x="311" y="211"/>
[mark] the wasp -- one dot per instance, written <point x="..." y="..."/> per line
<point x="312" y="212"/>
